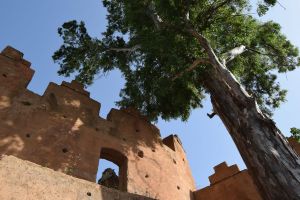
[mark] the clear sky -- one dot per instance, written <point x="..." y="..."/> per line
<point x="31" y="27"/>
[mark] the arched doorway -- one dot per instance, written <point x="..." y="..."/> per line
<point x="118" y="159"/>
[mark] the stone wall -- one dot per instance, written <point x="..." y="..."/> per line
<point x="24" y="180"/>
<point x="229" y="183"/>
<point x="62" y="133"/>
<point x="296" y="145"/>
<point x="62" y="130"/>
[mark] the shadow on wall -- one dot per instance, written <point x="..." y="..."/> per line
<point x="50" y="134"/>
<point x="62" y="130"/>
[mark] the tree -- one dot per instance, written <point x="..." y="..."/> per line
<point x="173" y="53"/>
<point x="295" y="134"/>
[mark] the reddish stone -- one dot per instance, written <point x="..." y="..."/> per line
<point x="62" y="130"/>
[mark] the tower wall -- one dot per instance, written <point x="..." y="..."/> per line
<point x="229" y="183"/>
<point x="24" y="180"/>
<point x="62" y="130"/>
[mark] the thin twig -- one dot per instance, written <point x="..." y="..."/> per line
<point x="281" y="5"/>
<point x="131" y="49"/>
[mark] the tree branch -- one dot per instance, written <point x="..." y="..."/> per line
<point x="129" y="50"/>
<point x="281" y="5"/>
<point x="192" y="67"/>
<point x="230" y="55"/>
<point x="226" y="76"/>
<point x="211" y="12"/>
<point x="154" y="16"/>
<point x="205" y="45"/>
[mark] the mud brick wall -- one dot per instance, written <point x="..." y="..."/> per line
<point x="62" y="130"/>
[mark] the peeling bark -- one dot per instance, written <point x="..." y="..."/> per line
<point x="272" y="163"/>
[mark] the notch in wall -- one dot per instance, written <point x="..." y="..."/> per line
<point x="170" y="142"/>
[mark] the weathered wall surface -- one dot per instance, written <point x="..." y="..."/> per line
<point x="23" y="180"/>
<point x="295" y="145"/>
<point x="229" y="183"/>
<point x="62" y="130"/>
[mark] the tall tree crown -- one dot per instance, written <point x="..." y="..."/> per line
<point x="149" y="42"/>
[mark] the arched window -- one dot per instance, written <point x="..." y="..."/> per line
<point x="108" y="174"/>
<point x="119" y="161"/>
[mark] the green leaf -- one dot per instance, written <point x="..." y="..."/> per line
<point x="295" y="134"/>
<point x="149" y="43"/>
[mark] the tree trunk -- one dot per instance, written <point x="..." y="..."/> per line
<point x="272" y="163"/>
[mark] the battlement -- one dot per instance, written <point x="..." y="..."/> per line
<point x="76" y="86"/>
<point x="15" y="73"/>
<point x="229" y="183"/>
<point x="71" y="98"/>
<point x="16" y="55"/>
<point x="62" y="130"/>
<point x="173" y="142"/>
<point x="222" y="171"/>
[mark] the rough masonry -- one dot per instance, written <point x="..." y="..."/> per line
<point x="58" y="138"/>
<point x="62" y="130"/>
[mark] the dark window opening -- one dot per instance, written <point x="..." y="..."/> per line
<point x="112" y="169"/>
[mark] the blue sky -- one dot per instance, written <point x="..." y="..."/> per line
<point x="31" y="27"/>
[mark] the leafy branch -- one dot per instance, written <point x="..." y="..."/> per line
<point x="295" y="133"/>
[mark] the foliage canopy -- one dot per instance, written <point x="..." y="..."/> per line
<point x="148" y="41"/>
<point x="295" y="134"/>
